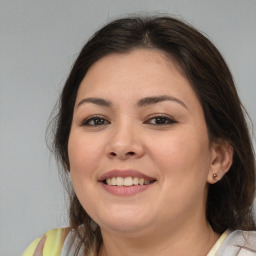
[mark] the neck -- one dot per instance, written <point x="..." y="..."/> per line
<point x="183" y="240"/>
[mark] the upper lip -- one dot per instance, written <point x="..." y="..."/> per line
<point x="124" y="174"/>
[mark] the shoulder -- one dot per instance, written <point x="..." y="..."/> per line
<point x="50" y="243"/>
<point x="239" y="243"/>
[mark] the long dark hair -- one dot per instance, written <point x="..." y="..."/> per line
<point x="230" y="200"/>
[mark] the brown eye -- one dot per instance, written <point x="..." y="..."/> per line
<point x="160" y="120"/>
<point x="95" y="121"/>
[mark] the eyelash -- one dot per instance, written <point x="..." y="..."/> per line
<point x="87" y="121"/>
<point x="163" y="119"/>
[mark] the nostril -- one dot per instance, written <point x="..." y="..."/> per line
<point x="122" y="154"/>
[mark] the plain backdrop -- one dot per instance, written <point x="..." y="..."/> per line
<point x="39" y="40"/>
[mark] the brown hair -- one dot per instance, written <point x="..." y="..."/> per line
<point x="230" y="200"/>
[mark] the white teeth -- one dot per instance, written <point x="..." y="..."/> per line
<point x="119" y="181"/>
<point x="141" y="181"/>
<point x="128" y="181"/>
<point x="113" y="181"/>
<point x="109" y="181"/>
<point x="135" y="180"/>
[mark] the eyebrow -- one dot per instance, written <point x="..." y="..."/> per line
<point x="156" y="99"/>
<point x="97" y="101"/>
<point x="141" y="103"/>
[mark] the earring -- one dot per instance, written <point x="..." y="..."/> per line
<point x="215" y="175"/>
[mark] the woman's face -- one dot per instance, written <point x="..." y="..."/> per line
<point x="138" y="120"/>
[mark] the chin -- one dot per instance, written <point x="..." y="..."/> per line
<point x="126" y="222"/>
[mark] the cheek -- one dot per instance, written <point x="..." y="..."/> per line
<point x="183" y="156"/>
<point x="82" y="151"/>
<point x="184" y="164"/>
<point x="83" y="158"/>
<point x="83" y="163"/>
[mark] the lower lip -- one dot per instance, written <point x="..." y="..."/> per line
<point x="125" y="191"/>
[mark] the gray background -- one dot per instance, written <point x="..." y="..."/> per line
<point x="39" y="40"/>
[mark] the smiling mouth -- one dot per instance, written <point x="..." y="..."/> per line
<point x="127" y="181"/>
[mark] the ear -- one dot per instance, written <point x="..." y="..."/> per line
<point x="221" y="160"/>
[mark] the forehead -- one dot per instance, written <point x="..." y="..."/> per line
<point x="137" y="73"/>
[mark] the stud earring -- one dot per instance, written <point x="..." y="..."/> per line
<point x="215" y="175"/>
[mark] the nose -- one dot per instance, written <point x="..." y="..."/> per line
<point x="125" y="143"/>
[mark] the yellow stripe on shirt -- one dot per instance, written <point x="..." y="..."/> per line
<point x="53" y="245"/>
<point x="218" y="243"/>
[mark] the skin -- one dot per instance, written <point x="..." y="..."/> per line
<point x="169" y="217"/>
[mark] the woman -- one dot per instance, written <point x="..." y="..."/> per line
<point x="152" y="132"/>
